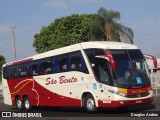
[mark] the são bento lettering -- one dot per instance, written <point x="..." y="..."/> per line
<point x="62" y="80"/>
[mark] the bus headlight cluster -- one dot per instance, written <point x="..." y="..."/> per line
<point x="151" y="91"/>
<point x="117" y="92"/>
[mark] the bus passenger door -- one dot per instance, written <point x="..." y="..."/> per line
<point x="102" y="71"/>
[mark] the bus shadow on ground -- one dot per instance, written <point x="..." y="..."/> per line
<point x="80" y="112"/>
<point x="100" y="110"/>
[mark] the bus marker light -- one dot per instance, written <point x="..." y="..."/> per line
<point x="121" y="102"/>
<point x="122" y="90"/>
<point x="139" y="101"/>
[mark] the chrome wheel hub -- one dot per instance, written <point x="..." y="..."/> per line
<point x="19" y="104"/>
<point x="90" y="104"/>
<point x="27" y="104"/>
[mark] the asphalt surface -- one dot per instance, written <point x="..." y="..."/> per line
<point x="153" y="108"/>
<point x="79" y="112"/>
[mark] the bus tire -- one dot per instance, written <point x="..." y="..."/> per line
<point x="27" y="104"/>
<point x="19" y="104"/>
<point x="90" y="104"/>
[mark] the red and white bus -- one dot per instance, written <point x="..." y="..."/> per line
<point x="89" y="74"/>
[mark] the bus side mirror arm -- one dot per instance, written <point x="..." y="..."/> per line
<point x="112" y="62"/>
<point x="155" y="63"/>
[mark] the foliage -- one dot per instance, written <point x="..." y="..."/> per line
<point x="63" y="32"/>
<point x="2" y="61"/>
<point x="80" y="28"/>
<point x="106" y="28"/>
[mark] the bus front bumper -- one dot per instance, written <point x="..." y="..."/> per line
<point x="124" y="103"/>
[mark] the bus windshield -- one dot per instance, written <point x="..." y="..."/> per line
<point x="131" y="69"/>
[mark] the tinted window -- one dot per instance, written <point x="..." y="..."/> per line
<point x="102" y="70"/>
<point x="61" y="63"/>
<point x="46" y="66"/>
<point x="34" y="67"/>
<point x="91" y="53"/>
<point x="77" y="62"/>
<point x="126" y="54"/>
<point x="73" y="61"/>
<point x="135" y="54"/>
<point x="23" y="70"/>
<point x="6" y="72"/>
<point x="13" y="72"/>
<point x="120" y="55"/>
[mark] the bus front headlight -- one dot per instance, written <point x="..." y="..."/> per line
<point x="118" y="93"/>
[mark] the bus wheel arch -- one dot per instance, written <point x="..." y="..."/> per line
<point x="89" y="102"/>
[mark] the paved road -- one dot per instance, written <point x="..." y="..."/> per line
<point x="78" y="112"/>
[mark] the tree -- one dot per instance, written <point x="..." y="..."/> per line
<point x="80" y="28"/>
<point x="2" y="61"/>
<point x="106" y="28"/>
<point x="63" y="32"/>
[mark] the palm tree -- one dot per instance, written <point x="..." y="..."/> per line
<point x="106" y="28"/>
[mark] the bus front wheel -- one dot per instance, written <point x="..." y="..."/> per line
<point x="27" y="104"/>
<point x="90" y="105"/>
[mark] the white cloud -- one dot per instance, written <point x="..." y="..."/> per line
<point x="55" y="4"/>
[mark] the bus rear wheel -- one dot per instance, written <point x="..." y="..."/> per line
<point x="19" y="104"/>
<point x="27" y="104"/>
<point x="90" y="105"/>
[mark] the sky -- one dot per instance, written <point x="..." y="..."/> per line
<point x="29" y="16"/>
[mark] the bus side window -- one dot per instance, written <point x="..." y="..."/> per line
<point x="34" y="69"/>
<point x="53" y="62"/>
<point x="13" y="72"/>
<point x="6" y="72"/>
<point x="28" y="69"/>
<point x="46" y="66"/>
<point x="75" y="61"/>
<point x="62" y="63"/>
<point x="90" y="54"/>
<point x="22" y="70"/>
<point x="83" y="65"/>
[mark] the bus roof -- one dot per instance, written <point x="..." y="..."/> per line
<point x="86" y="45"/>
<point x="108" y="45"/>
<point x="75" y="47"/>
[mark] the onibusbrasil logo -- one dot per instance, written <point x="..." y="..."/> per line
<point x="17" y="114"/>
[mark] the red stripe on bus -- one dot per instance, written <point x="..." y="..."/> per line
<point x="139" y="90"/>
<point x="18" y="62"/>
<point x="39" y="95"/>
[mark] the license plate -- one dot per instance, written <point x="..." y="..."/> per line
<point x="139" y="101"/>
